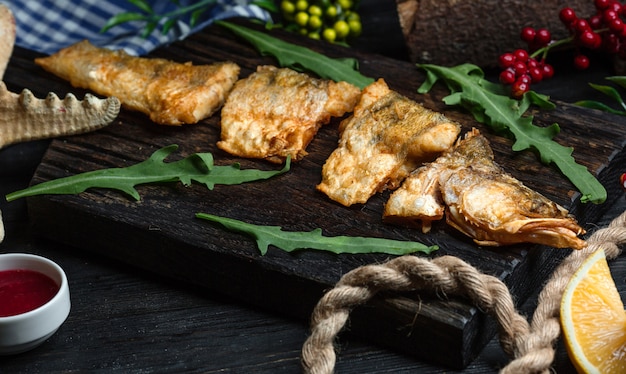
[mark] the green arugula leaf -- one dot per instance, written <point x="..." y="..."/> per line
<point x="592" y="104"/>
<point x="620" y="80"/>
<point x="301" y="58"/>
<point x="291" y="241"/>
<point x="610" y="92"/>
<point x="198" y="167"/>
<point x="269" y="5"/>
<point x="193" y="11"/>
<point x="122" y="18"/>
<point x="490" y="106"/>
<point x="143" y="5"/>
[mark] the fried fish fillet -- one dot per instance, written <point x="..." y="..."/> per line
<point x="386" y="138"/>
<point x="276" y="112"/>
<point x="481" y="200"/>
<point x="170" y="93"/>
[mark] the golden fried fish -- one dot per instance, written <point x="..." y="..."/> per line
<point x="276" y="112"/>
<point x="481" y="200"/>
<point x="386" y="138"/>
<point x="170" y="93"/>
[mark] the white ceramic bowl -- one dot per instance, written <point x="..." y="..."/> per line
<point x="22" y="332"/>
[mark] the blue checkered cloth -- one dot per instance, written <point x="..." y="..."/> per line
<point x="47" y="26"/>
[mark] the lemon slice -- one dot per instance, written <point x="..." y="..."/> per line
<point x="593" y="319"/>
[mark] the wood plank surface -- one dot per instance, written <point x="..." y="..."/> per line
<point x="160" y="233"/>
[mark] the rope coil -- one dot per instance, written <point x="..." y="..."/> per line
<point x="531" y="345"/>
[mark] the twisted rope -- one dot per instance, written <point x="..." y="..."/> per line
<point x="530" y="345"/>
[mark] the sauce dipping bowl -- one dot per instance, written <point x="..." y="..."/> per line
<point x="28" y="329"/>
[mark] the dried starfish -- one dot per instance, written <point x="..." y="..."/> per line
<point x="7" y="37"/>
<point x="24" y="117"/>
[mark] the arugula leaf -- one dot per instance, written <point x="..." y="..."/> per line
<point x="152" y="19"/>
<point x="269" y="5"/>
<point x="198" y="167"/>
<point x="490" y="106"/>
<point x="291" y="241"/>
<point x="609" y="91"/>
<point x="301" y="58"/>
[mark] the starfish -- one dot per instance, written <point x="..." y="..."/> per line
<point x="23" y="117"/>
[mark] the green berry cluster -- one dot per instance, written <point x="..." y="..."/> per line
<point x="335" y="21"/>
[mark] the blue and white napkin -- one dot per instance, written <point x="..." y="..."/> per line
<point x="49" y="25"/>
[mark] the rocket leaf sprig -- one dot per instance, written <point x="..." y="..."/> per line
<point x="197" y="167"/>
<point x="295" y="240"/>
<point x="485" y="101"/>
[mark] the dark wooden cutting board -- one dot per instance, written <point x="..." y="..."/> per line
<point x="160" y="232"/>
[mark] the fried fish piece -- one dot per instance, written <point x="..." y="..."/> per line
<point x="170" y="93"/>
<point x="386" y="138"/>
<point x="276" y="112"/>
<point x="481" y="200"/>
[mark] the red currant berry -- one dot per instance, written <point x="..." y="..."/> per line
<point x="581" y="62"/>
<point x="581" y="25"/>
<point x="542" y="37"/>
<point x="532" y="63"/>
<point x="524" y="78"/>
<point x="536" y="74"/>
<point x="601" y="4"/>
<point x="597" y="42"/>
<point x="611" y="43"/>
<point x="519" y="88"/>
<point x="567" y="16"/>
<point x="595" y="22"/>
<point x="622" y="181"/>
<point x="507" y="76"/>
<point x="589" y="39"/>
<point x="609" y="15"/>
<point x="616" y="7"/>
<point x="528" y="34"/>
<point x="616" y="25"/>
<point x="521" y="55"/>
<point x="520" y="68"/>
<point x="506" y="60"/>
<point x="548" y="71"/>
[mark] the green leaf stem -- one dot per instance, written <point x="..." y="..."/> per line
<point x="301" y="58"/>
<point x="198" y="167"/>
<point x="153" y="19"/>
<point x="609" y="91"/>
<point x="291" y="241"/>
<point x="490" y="106"/>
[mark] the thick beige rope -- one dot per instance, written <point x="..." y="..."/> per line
<point x="531" y="346"/>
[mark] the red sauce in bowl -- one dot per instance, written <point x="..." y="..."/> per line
<point x="23" y="290"/>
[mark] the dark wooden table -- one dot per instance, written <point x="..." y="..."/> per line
<point x="128" y="320"/>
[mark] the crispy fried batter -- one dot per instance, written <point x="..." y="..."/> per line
<point x="481" y="200"/>
<point x="276" y="112"/>
<point x="170" y="93"/>
<point x="386" y="138"/>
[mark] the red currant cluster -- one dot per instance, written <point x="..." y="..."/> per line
<point x="605" y="30"/>
<point x="522" y="69"/>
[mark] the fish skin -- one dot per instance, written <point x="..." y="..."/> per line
<point x="170" y="93"/>
<point x="386" y="138"/>
<point x="478" y="198"/>
<point x="276" y="112"/>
